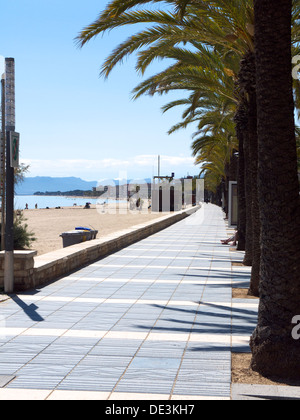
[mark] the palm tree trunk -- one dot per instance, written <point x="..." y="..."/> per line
<point x="256" y="225"/>
<point x="246" y="88"/>
<point x="247" y="84"/>
<point x="248" y="193"/>
<point x="241" y="123"/>
<point x="275" y="351"/>
<point x="241" y="246"/>
<point x="225" y="185"/>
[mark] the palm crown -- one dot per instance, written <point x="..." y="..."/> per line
<point x="205" y="40"/>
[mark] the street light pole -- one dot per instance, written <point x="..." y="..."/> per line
<point x="9" y="225"/>
<point x="2" y="162"/>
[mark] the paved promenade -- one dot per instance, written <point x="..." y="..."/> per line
<point x="153" y="321"/>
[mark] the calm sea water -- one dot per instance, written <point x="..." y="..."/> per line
<point x="51" y="201"/>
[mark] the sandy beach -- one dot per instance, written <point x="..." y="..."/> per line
<point x="49" y="224"/>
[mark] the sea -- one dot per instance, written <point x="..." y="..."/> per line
<point x="42" y="201"/>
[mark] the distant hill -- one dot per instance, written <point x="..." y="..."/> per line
<point x="44" y="183"/>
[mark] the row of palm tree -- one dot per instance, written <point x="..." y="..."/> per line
<point x="218" y="51"/>
<point x="208" y="68"/>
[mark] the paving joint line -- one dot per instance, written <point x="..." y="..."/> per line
<point x="188" y="341"/>
<point x="107" y="332"/>
<point x="146" y="338"/>
<point x="57" y="338"/>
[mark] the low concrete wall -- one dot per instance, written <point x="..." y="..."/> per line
<point x="32" y="271"/>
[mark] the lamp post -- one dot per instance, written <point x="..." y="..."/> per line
<point x="2" y="160"/>
<point x="10" y="136"/>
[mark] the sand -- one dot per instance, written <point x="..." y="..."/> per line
<point x="49" y="224"/>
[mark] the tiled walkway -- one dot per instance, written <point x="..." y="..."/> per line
<point x="153" y="320"/>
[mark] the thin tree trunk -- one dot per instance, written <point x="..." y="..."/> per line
<point x="241" y="246"/>
<point x="256" y="225"/>
<point x="275" y="349"/>
<point x="241" y="123"/>
<point x="225" y="185"/>
<point x="247" y="83"/>
<point x="248" y="259"/>
<point x="246" y="88"/>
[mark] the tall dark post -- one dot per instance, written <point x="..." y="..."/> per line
<point x="9" y="226"/>
<point x="9" y="197"/>
<point x="10" y="127"/>
<point x="2" y="160"/>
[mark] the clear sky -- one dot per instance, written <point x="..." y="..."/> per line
<point x="72" y="122"/>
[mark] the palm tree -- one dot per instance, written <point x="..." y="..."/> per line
<point x="275" y="352"/>
<point x="229" y="31"/>
<point x="211" y="105"/>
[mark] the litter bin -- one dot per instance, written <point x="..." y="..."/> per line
<point x="93" y="233"/>
<point x="80" y="234"/>
<point x="74" y="237"/>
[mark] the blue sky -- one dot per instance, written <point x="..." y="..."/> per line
<point x="72" y="122"/>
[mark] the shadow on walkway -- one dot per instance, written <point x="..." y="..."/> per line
<point x="29" y="310"/>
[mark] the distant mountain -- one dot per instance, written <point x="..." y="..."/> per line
<point x="46" y="183"/>
<point x="43" y="184"/>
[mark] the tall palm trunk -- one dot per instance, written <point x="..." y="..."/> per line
<point x="275" y="351"/>
<point x="248" y="259"/>
<point x="256" y="225"/>
<point x="247" y="85"/>
<point x="241" y="127"/>
<point x="241" y="246"/>
<point x="225" y="188"/>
